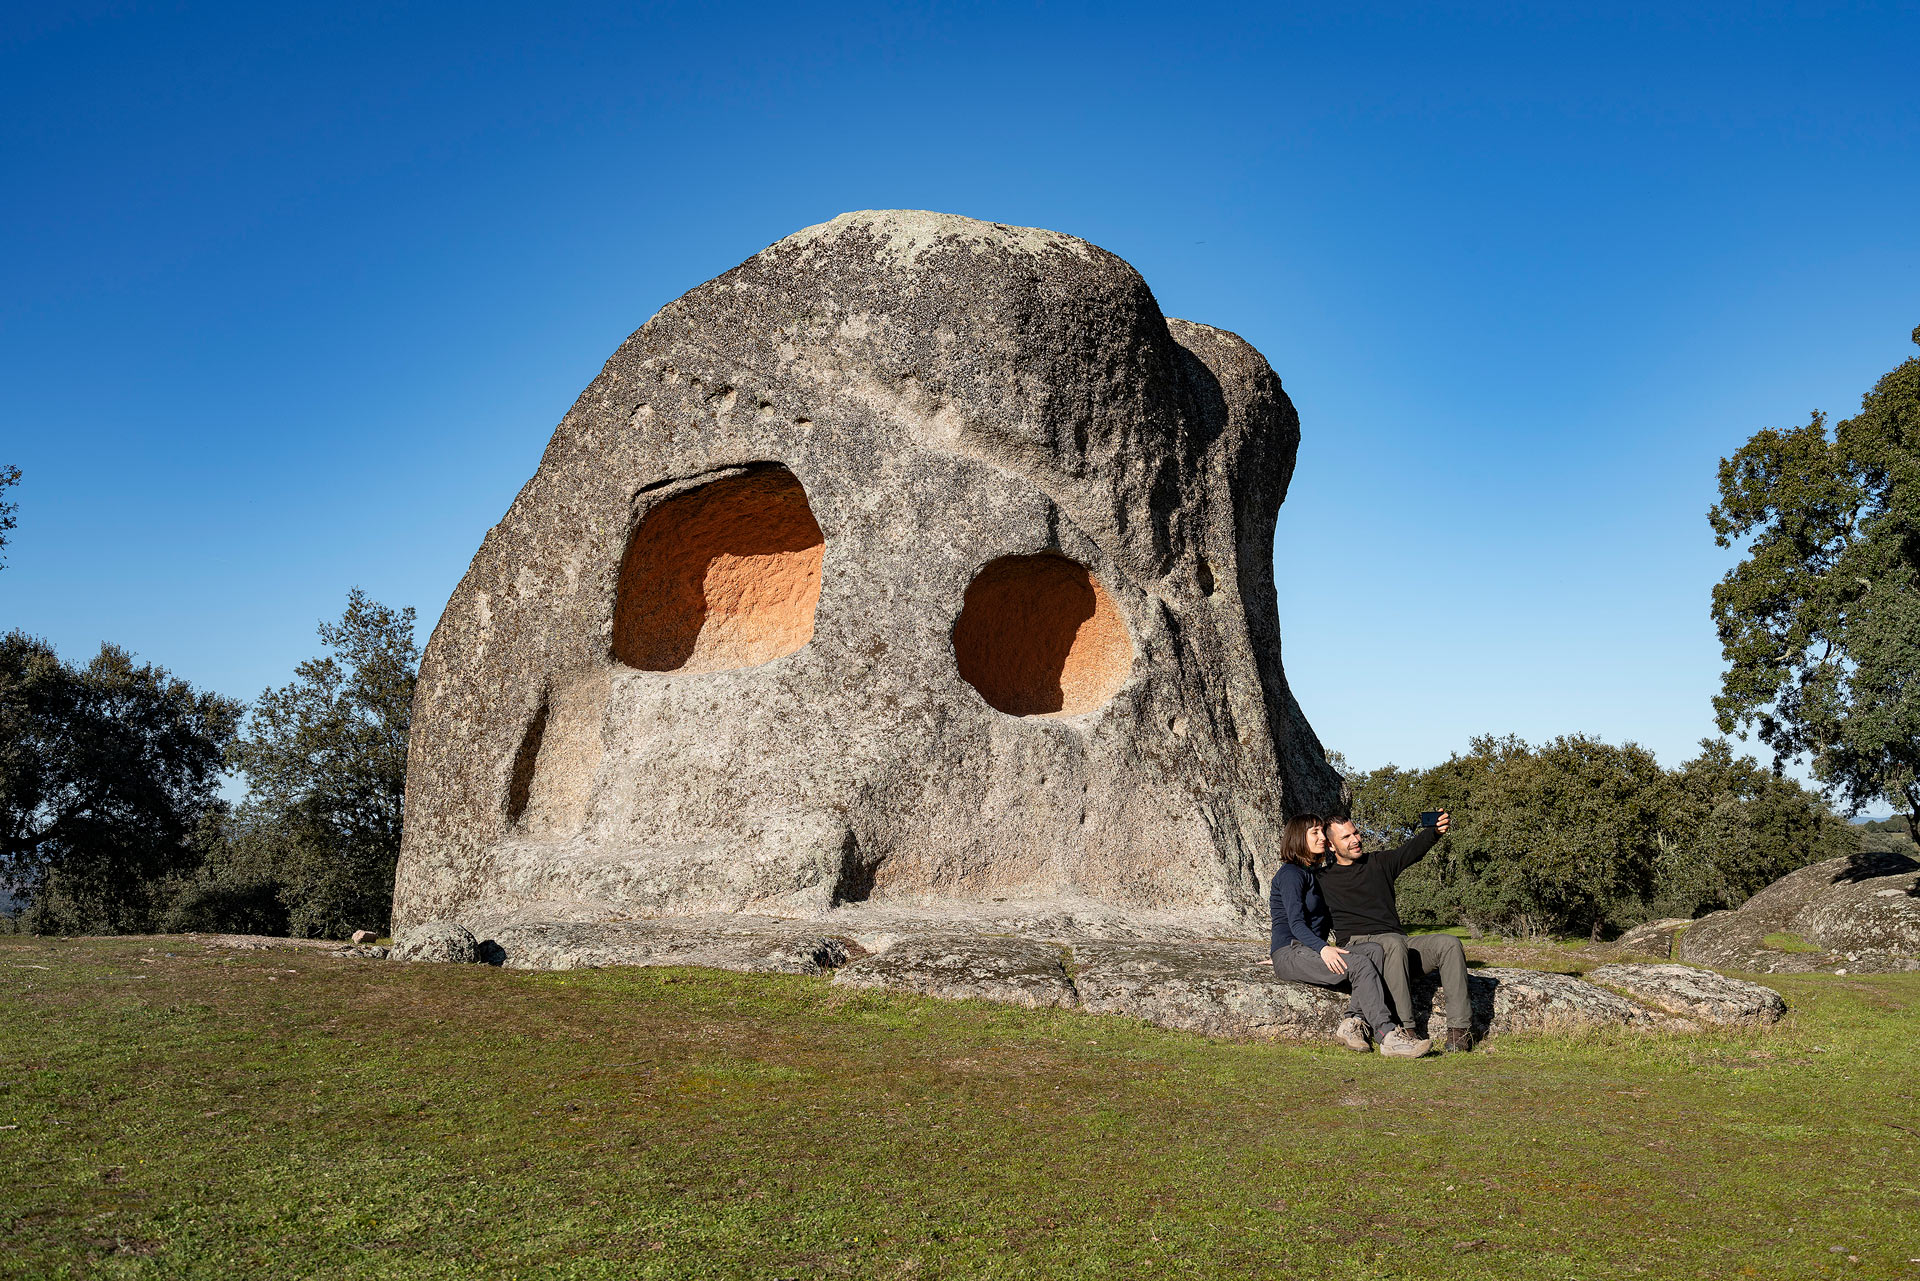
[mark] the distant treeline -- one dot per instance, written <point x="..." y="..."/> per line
<point x="1580" y="836"/>
<point x="111" y="818"/>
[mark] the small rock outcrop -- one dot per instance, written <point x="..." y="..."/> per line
<point x="1859" y="914"/>
<point x="1013" y="971"/>
<point x="751" y="945"/>
<point x="1655" y="938"/>
<point x="917" y="561"/>
<point x="448" y="942"/>
<point x="1696" y="994"/>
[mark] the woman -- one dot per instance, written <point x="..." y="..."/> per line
<point x="1302" y="950"/>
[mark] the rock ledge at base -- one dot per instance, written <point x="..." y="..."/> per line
<point x="1693" y="993"/>
<point x="1215" y="987"/>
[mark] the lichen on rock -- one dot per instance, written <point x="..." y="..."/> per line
<point x="1693" y="993"/>
<point x="446" y="942"/>
<point x="1860" y="913"/>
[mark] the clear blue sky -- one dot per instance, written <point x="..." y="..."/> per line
<point x="291" y="303"/>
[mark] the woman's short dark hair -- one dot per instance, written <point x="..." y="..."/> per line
<point x="1293" y="840"/>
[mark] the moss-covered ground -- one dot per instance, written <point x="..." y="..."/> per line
<point x="172" y="1110"/>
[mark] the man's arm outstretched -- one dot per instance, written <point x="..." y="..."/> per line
<point x="1399" y="860"/>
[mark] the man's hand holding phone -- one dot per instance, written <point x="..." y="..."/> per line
<point x="1439" y="820"/>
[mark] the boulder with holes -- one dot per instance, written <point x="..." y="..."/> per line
<point x="917" y="562"/>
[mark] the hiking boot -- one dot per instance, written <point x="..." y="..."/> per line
<point x="1459" y="1040"/>
<point x="1402" y="1044"/>
<point x="1354" y="1034"/>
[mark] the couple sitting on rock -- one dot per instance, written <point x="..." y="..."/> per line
<point x="1334" y="922"/>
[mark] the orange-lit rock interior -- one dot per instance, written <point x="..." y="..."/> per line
<point x="725" y="576"/>
<point x="1039" y="636"/>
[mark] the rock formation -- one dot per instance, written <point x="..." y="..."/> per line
<point x="916" y="561"/>
<point x="1694" y="994"/>
<point x="1216" y="987"/>
<point x="898" y="606"/>
<point x="1859" y="914"/>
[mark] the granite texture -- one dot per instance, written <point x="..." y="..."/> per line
<point x="789" y="482"/>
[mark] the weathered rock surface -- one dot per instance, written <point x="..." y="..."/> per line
<point x="1218" y="988"/>
<point x="447" y="942"/>
<point x="1653" y="937"/>
<point x="1696" y="994"/>
<point x="1010" y="970"/>
<point x="748" y="944"/>
<point x="1511" y="1000"/>
<point x="916" y="560"/>
<point x="1860" y="913"/>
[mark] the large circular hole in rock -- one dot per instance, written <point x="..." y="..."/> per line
<point x="1039" y="636"/>
<point x="727" y="575"/>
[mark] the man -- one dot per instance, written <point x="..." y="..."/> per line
<point x="1300" y="951"/>
<point x="1359" y="891"/>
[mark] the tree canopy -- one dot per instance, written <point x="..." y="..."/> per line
<point x="1580" y="834"/>
<point x="9" y="477"/>
<point x="326" y="763"/>
<point x="107" y="774"/>
<point x="1820" y="621"/>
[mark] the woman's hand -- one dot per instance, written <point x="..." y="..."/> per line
<point x="1334" y="958"/>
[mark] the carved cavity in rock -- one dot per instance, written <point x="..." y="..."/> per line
<point x="724" y="576"/>
<point x="1039" y="636"/>
<point x="552" y="776"/>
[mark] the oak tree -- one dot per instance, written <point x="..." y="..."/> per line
<point x="1820" y="620"/>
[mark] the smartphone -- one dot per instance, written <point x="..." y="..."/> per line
<point x="1430" y="818"/>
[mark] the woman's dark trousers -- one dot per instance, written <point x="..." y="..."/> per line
<point x="1365" y="965"/>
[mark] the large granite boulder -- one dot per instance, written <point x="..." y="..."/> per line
<point x="1860" y="914"/>
<point x="916" y="560"/>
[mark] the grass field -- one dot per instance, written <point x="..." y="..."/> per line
<point x="171" y="1110"/>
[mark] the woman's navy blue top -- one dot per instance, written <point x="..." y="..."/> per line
<point x="1299" y="913"/>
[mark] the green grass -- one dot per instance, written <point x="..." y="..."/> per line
<point x="1787" y="943"/>
<point x="188" y="1112"/>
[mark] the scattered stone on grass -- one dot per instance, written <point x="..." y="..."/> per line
<point x="364" y="936"/>
<point x="269" y="942"/>
<point x="447" y="942"/>
<point x="1694" y="993"/>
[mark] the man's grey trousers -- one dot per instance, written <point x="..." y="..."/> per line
<point x="1302" y="964"/>
<point x="1433" y="952"/>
